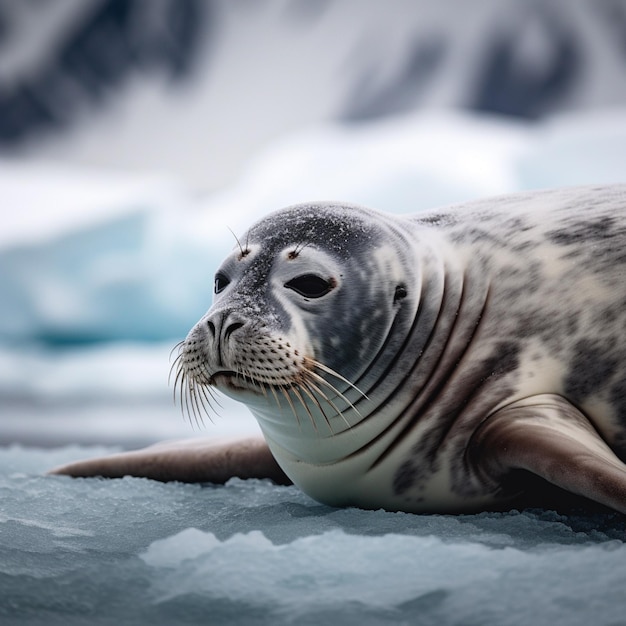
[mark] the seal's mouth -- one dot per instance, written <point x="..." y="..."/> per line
<point x="234" y="381"/>
<point x="226" y="378"/>
<point x="302" y="384"/>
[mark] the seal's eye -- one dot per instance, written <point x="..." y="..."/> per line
<point x="310" y="285"/>
<point x="221" y="282"/>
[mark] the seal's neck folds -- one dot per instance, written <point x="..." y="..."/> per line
<point x="393" y="390"/>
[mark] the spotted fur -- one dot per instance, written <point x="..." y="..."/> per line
<point x="449" y="356"/>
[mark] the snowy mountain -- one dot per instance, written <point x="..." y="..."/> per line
<point x="193" y="87"/>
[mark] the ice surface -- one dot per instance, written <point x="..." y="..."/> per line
<point x="137" y="551"/>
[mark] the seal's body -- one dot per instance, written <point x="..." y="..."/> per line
<point x="426" y="363"/>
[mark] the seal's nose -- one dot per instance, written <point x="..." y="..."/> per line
<point x="231" y="328"/>
<point x="221" y="326"/>
<point x="211" y="327"/>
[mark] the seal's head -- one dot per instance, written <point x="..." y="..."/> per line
<point x="302" y="307"/>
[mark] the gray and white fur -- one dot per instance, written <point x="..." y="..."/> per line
<point x="448" y="361"/>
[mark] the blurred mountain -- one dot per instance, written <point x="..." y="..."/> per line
<point x="62" y="55"/>
<point x="193" y="86"/>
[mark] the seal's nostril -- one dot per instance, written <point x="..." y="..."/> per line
<point x="232" y="328"/>
<point x="211" y="326"/>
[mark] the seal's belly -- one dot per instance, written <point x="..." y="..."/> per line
<point x="348" y="483"/>
<point x="352" y="481"/>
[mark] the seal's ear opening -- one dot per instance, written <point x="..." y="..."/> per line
<point x="400" y="293"/>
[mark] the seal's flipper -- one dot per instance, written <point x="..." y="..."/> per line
<point x="549" y="437"/>
<point x="192" y="461"/>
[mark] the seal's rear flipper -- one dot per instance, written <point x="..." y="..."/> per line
<point x="549" y="437"/>
<point x="186" y="461"/>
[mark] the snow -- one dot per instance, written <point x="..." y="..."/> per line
<point x="101" y="274"/>
<point x="134" y="550"/>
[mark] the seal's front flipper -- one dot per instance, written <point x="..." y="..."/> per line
<point x="549" y="437"/>
<point x="195" y="460"/>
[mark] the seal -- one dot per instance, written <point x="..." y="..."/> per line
<point x="450" y="361"/>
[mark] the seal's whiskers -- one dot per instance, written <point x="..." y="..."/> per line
<point x="285" y="392"/>
<point x="295" y="389"/>
<point x="322" y="394"/>
<point x="304" y="387"/>
<point x="323" y="382"/>
<point x="334" y="374"/>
